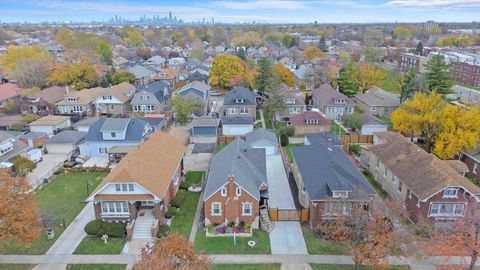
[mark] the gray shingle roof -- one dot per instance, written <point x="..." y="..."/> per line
<point x="326" y="168"/>
<point x="238" y="121"/>
<point x="378" y="98"/>
<point x="246" y="164"/>
<point x="259" y="134"/>
<point x="33" y="135"/>
<point x="158" y="88"/>
<point x="135" y="130"/>
<point x="67" y="136"/>
<point x="18" y="146"/>
<point x="240" y="92"/>
<point x="114" y="124"/>
<point x="322" y="138"/>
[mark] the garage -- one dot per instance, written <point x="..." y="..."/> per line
<point x="204" y="127"/>
<point x="237" y="126"/>
<point x="65" y="142"/>
<point x="262" y="138"/>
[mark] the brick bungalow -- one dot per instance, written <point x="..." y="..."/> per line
<point x="309" y="122"/>
<point x="430" y="189"/>
<point x="329" y="184"/>
<point x="236" y="185"/>
<point x="147" y="178"/>
<point x="472" y="160"/>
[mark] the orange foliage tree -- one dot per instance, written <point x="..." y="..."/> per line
<point x="19" y="218"/>
<point x="172" y="253"/>
<point x="286" y="76"/>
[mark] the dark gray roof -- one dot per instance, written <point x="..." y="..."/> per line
<point x="378" y="98"/>
<point x="158" y="88"/>
<point x="67" y="136"/>
<point x="114" y="124"/>
<point x="240" y="92"/>
<point x="154" y="121"/>
<point x="33" y="135"/>
<point x="259" y="134"/>
<point x="246" y="164"/>
<point x="135" y="130"/>
<point x="194" y="62"/>
<point x="327" y="168"/>
<point x="87" y="121"/>
<point x="238" y="121"/>
<point x="368" y="119"/>
<point x="322" y="138"/>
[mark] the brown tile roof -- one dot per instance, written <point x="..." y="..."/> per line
<point x="301" y="119"/>
<point x="9" y="90"/>
<point x="423" y="173"/>
<point x="152" y="164"/>
<point x="133" y="197"/>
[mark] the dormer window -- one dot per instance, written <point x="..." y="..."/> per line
<point x="107" y="97"/>
<point x="340" y="194"/>
<point x="70" y="99"/>
<point x="238" y="191"/>
<point x="239" y="100"/>
<point x="290" y="101"/>
<point x="224" y="192"/>
<point x="450" y="193"/>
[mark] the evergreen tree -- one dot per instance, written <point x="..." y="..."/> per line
<point x="323" y="44"/>
<point x="408" y="85"/>
<point x="264" y="74"/>
<point x="438" y="77"/>
<point x="419" y="49"/>
<point x="242" y="53"/>
<point x="345" y="82"/>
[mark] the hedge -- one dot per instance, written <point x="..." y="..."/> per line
<point x="184" y="185"/>
<point x="99" y="228"/>
<point x="163" y="230"/>
<point x="171" y="212"/>
<point x="179" y="198"/>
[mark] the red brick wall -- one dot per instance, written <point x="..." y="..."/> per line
<point x="470" y="163"/>
<point x="231" y="209"/>
<point x="302" y="129"/>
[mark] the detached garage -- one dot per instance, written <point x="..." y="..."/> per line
<point x="204" y="127"/>
<point x="50" y="124"/>
<point x="65" y="142"/>
<point x="262" y="138"/>
<point x="237" y="126"/>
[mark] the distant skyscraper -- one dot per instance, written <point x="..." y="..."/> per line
<point x="170" y="16"/>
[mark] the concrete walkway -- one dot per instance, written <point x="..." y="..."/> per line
<point x="262" y="120"/>
<point x="295" y="266"/>
<point x="287" y="236"/>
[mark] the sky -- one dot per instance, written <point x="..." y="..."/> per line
<point x="260" y="11"/>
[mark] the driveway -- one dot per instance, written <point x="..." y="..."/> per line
<point x="196" y="162"/>
<point x="45" y="168"/>
<point x="287" y="236"/>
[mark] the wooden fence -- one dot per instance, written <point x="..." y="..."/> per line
<point x="347" y="139"/>
<point x="227" y="139"/>
<point x="288" y="214"/>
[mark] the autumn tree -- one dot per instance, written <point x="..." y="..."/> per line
<point x="366" y="76"/>
<point x="183" y="108"/>
<point x="374" y="54"/>
<point x="286" y="76"/>
<point x="29" y="65"/>
<point x="438" y="76"/>
<point x="172" y="253"/>
<point x="311" y="52"/>
<point x="19" y="218"/>
<point x="23" y="165"/>
<point x="352" y="121"/>
<point x="224" y="68"/>
<point x="132" y="36"/>
<point x="81" y="75"/>
<point x="144" y="52"/>
<point x="288" y="40"/>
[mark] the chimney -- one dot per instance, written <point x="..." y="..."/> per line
<point x="231" y="178"/>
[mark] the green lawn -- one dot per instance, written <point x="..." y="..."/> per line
<point x="288" y="150"/>
<point x="315" y="245"/>
<point x="61" y="199"/>
<point x="95" y="245"/>
<point x="220" y="146"/>
<point x="257" y="115"/>
<point x="183" y="220"/>
<point x="16" y="266"/>
<point x="224" y="245"/>
<point x="96" y="266"/>
<point x="376" y="185"/>
<point x="389" y="83"/>
<point x="350" y="267"/>
<point x="268" y="119"/>
<point x="272" y="266"/>
<point x="193" y="177"/>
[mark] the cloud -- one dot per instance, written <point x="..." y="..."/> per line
<point x="261" y="4"/>
<point x="435" y="4"/>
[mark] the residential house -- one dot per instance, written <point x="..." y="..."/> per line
<point x="329" y="184"/>
<point x="42" y="102"/>
<point x="34" y="139"/>
<point x="176" y="63"/>
<point x="84" y="124"/>
<point x="12" y="122"/>
<point x="237" y="126"/>
<point x="168" y="76"/>
<point x="143" y="75"/>
<point x="198" y="75"/>
<point x="309" y="122"/>
<point x="155" y="61"/>
<point x="80" y="102"/>
<point x="429" y="188"/>
<point x="10" y="147"/>
<point x="377" y="101"/>
<point x="65" y="142"/>
<point x="240" y="102"/>
<point x="192" y="64"/>
<point x="198" y="93"/>
<point x="263" y="138"/>
<point x="109" y="132"/>
<point x="410" y="61"/>
<point x="115" y="99"/>
<point x="472" y="159"/>
<point x="288" y="63"/>
<point x="140" y="188"/>
<point x="152" y="98"/>
<point x="371" y="124"/>
<point x="237" y="185"/>
<point x="466" y="74"/>
<point x="332" y="103"/>
<point x="50" y="124"/>
<point x="9" y="92"/>
<point x="294" y="102"/>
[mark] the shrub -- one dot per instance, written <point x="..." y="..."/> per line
<point x="184" y="185"/>
<point x="355" y="149"/>
<point x="171" y="212"/>
<point x="67" y="164"/>
<point x="99" y="228"/>
<point x="283" y="139"/>
<point x="163" y="230"/>
<point x="177" y="202"/>
<point x="290" y="130"/>
<point x="23" y="165"/>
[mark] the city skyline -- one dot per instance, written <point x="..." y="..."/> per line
<point x="259" y="11"/>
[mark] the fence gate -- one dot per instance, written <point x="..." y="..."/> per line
<point x="288" y="214"/>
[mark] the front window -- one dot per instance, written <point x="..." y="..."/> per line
<point x="475" y="167"/>
<point x="400" y="186"/>
<point x="77" y="108"/>
<point x="340" y="194"/>
<point x="124" y="187"/>
<point x="337" y="208"/>
<point x="130" y="187"/>
<point x="216" y="209"/>
<point x="232" y="110"/>
<point x="447" y="209"/>
<point x="247" y="209"/>
<point x="373" y="109"/>
<point x="113" y="135"/>
<point x="102" y="150"/>
<point x="295" y="110"/>
<point x="450" y="193"/>
<point x="109" y="207"/>
<point x="290" y="101"/>
<point x="117" y="187"/>
<point x="243" y="110"/>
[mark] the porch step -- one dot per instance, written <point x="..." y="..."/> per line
<point x="265" y="223"/>
<point x="142" y="229"/>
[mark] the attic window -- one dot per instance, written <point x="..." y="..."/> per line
<point x="450" y="193"/>
<point x="224" y="192"/>
<point x="239" y="100"/>
<point x="70" y="99"/>
<point x="340" y="194"/>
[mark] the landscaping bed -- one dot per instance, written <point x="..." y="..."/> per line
<point x="271" y="266"/>
<point x="96" y="266"/>
<point x="95" y="245"/>
<point x="350" y="267"/>
<point x="58" y="201"/>
<point x="240" y="230"/>
<point x="316" y="245"/>
<point x="225" y="245"/>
